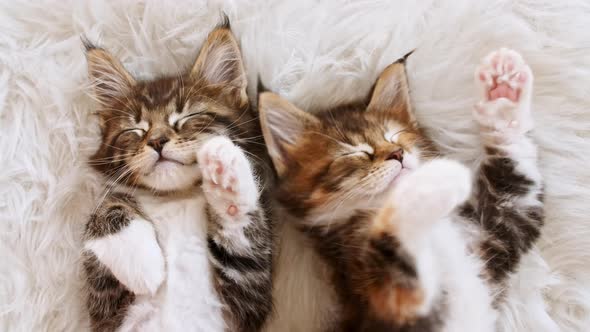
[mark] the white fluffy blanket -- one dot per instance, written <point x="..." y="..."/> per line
<point x="315" y="53"/>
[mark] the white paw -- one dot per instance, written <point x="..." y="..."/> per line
<point x="228" y="181"/>
<point x="505" y="81"/>
<point x="133" y="256"/>
<point x="430" y="193"/>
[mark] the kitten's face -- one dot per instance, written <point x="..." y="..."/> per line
<point x="151" y="130"/>
<point x="345" y="158"/>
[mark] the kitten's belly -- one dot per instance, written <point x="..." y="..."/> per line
<point x="305" y="301"/>
<point x="304" y="298"/>
<point x="187" y="301"/>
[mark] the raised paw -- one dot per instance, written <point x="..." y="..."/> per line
<point x="430" y="193"/>
<point x="228" y="181"/>
<point x="404" y="228"/>
<point x="505" y="81"/>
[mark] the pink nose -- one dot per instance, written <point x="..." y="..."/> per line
<point x="158" y="143"/>
<point x="396" y="155"/>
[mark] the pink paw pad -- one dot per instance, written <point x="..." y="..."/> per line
<point x="503" y="90"/>
<point x="505" y="81"/>
<point x="219" y="169"/>
<point x="504" y="75"/>
<point x="232" y="210"/>
<point x="227" y="179"/>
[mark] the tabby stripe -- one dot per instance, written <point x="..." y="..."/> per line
<point x="394" y="255"/>
<point x="237" y="262"/>
<point x="502" y="176"/>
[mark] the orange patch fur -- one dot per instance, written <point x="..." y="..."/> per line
<point x="325" y="158"/>
<point x="395" y="303"/>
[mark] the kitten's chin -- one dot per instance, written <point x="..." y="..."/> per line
<point x="402" y="174"/>
<point x="384" y="189"/>
<point x="171" y="176"/>
<point x="383" y="186"/>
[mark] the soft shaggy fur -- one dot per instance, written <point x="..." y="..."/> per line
<point x="303" y="50"/>
<point x="357" y="181"/>
<point x="157" y="256"/>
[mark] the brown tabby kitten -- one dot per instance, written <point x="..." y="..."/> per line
<point x="180" y="240"/>
<point x="358" y="181"/>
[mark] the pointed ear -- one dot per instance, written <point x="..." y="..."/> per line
<point x="391" y="94"/>
<point x="110" y="79"/>
<point x="282" y="125"/>
<point x="220" y="62"/>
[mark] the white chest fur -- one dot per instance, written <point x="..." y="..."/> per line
<point x="187" y="300"/>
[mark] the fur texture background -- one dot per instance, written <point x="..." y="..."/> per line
<point x="315" y="53"/>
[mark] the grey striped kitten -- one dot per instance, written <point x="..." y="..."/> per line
<point x="181" y="240"/>
<point x="408" y="245"/>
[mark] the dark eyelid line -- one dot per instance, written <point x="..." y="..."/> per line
<point x="400" y="131"/>
<point x="367" y="153"/>
<point x="176" y="124"/>
<point x="193" y="114"/>
<point x="124" y="131"/>
<point x="189" y="116"/>
<point x="370" y="155"/>
<point x="403" y="130"/>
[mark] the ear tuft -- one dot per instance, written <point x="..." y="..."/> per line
<point x="282" y="125"/>
<point x="88" y="45"/>
<point x="405" y="57"/>
<point x="220" y="61"/>
<point x="109" y="78"/>
<point x="391" y="94"/>
<point x="224" y="23"/>
<point x="260" y="87"/>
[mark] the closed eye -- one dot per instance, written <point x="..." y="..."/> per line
<point x="182" y="120"/>
<point x="393" y="137"/>
<point x="359" y="154"/>
<point x="138" y="131"/>
<point x="193" y="114"/>
<point x="368" y="154"/>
